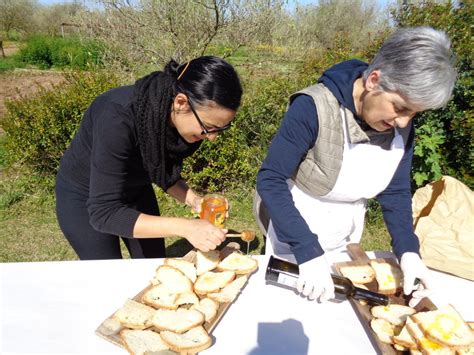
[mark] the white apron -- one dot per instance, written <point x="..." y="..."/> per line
<point x="338" y="217"/>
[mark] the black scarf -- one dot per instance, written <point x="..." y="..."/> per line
<point x="163" y="149"/>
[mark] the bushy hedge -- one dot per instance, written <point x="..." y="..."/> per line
<point x="234" y="158"/>
<point x="444" y="142"/>
<point x="39" y="129"/>
<point x="72" y="52"/>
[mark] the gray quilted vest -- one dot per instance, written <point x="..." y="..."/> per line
<point x="318" y="172"/>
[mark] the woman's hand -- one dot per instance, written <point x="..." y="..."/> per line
<point x="203" y="235"/>
<point x="413" y="267"/>
<point x="195" y="202"/>
<point x="315" y="281"/>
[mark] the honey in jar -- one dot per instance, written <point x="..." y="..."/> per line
<point x="214" y="209"/>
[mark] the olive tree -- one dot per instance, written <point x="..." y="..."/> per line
<point x="142" y="32"/>
<point x="15" y="15"/>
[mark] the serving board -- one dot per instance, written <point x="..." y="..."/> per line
<point x="359" y="257"/>
<point x="110" y="329"/>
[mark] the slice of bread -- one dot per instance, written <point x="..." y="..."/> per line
<point x="178" y="321"/>
<point x="212" y="281"/>
<point x="134" y="315"/>
<point x="470" y="349"/>
<point x="187" y="298"/>
<point x="238" y="262"/>
<point x="400" y="347"/>
<point x="110" y="326"/>
<point x="425" y="345"/>
<point x="175" y="280"/>
<point x="404" y="338"/>
<point x="193" y="341"/>
<point x="207" y="307"/>
<point x="160" y="296"/>
<point x="230" y="292"/>
<point x="207" y="261"/>
<point x="445" y="326"/>
<point x="186" y="267"/>
<point x="394" y="313"/>
<point x="388" y="276"/>
<point x="358" y="274"/>
<point x="142" y="342"/>
<point x="384" y="330"/>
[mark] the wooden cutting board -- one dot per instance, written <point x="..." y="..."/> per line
<point x="359" y="257"/>
<point x="109" y="329"/>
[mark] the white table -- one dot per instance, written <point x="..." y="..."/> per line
<point x="55" y="307"/>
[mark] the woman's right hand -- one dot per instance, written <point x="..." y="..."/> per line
<point x="203" y="235"/>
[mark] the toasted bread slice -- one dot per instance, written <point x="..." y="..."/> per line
<point x="404" y="338"/>
<point x="206" y="261"/>
<point x="384" y="330"/>
<point x="175" y="280"/>
<point x="110" y="326"/>
<point x="425" y="345"/>
<point x="394" y="313"/>
<point x="213" y="281"/>
<point x="388" y="276"/>
<point x="193" y="341"/>
<point x="134" y="315"/>
<point x="186" y="267"/>
<point x="142" y="342"/>
<point x="445" y="326"/>
<point x="358" y="274"/>
<point x="238" y="262"/>
<point x="208" y="307"/>
<point x="400" y="347"/>
<point x="187" y="298"/>
<point x="178" y="321"/>
<point x="470" y="349"/>
<point x="230" y="292"/>
<point x="160" y="296"/>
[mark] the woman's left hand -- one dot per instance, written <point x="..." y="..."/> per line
<point x="413" y="268"/>
<point x="195" y="203"/>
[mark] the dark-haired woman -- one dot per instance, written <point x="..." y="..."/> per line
<point x="131" y="137"/>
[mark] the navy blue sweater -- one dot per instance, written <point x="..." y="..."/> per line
<point x="296" y="135"/>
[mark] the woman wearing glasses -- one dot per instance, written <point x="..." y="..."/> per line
<point x="131" y="137"/>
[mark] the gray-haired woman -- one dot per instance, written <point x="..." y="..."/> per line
<point x="347" y="139"/>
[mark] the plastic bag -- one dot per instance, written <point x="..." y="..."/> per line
<point x="443" y="216"/>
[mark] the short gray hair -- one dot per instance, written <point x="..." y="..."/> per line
<point x="418" y="64"/>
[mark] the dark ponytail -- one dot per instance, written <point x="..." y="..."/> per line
<point x="203" y="79"/>
<point x="210" y="79"/>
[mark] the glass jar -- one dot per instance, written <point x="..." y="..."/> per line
<point x="214" y="209"/>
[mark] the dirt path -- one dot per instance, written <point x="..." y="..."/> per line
<point x="25" y="83"/>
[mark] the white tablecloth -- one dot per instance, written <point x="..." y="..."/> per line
<point x="55" y="307"/>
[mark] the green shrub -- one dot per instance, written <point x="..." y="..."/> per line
<point x="71" y="52"/>
<point x="445" y="137"/>
<point x="10" y="63"/>
<point x="235" y="158"/>
<point x="39" y="129"/>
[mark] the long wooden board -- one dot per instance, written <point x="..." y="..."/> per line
<point x="109" y="329"/>
<point x="363" y="311"/>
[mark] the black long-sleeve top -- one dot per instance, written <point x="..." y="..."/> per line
<point x="104" y="162"/>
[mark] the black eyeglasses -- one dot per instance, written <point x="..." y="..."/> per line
<point x="205" y="130"/>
